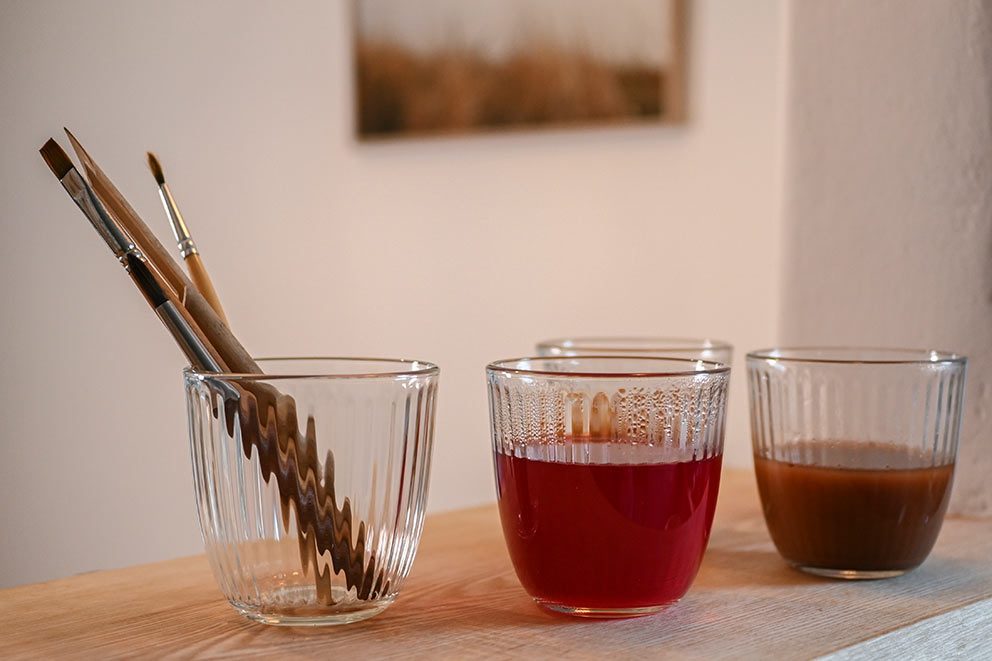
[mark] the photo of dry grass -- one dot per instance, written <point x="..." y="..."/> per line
<point x="444" y="66"/>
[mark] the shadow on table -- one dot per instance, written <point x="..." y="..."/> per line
<point x="939" y="578"/>
<point x="492" y="603"/>
<point x="725" y="568"/>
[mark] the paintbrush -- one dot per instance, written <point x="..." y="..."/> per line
<point x="91" y="206"/>
<point x="187" y="248"/>
<point x="183" y="329"/>
<point x="220" y="337"/>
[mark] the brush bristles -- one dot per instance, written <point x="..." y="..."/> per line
<point x="56" y="158"/>
<point x="156" y="169"/>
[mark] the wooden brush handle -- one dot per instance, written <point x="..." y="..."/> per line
<point x="213" y="327"/>
<point x="198" y="274"/>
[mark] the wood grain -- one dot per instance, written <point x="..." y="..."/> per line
<point x="463" y="600"/>
<point x="961" y="634"/>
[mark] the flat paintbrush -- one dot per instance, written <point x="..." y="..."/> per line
<point x="81" y="193"/>
<point x="187" y="248"/>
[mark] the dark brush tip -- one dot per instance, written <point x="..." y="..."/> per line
<point x="156" y="169"/>
<point x="56" y="158"/>
<point x="145" y="280"/>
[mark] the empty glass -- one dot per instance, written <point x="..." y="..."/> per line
<point x="854" y="451"/>
<point x="311" y="482"/>
<point x="677" y="347"/>
<point x="607" y="472"/>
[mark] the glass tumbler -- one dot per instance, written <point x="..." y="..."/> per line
<point x="854" y="452"/>
<point x="715" y="351"/>
<point x="311" y="482"/>
<point x="607" y="472"/>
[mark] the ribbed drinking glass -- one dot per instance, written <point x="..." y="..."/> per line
<point x="311" y="482"/>
<point x="854" y="451"/>
<point x="607" y="472"/>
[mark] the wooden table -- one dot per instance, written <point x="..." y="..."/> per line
<point x="463" y="600"/>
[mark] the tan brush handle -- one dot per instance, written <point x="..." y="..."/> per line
<point x="198" y="274"/>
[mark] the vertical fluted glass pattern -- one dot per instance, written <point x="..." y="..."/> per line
<point x="311" y="483"/>
<point x="649" y="409"/>
<point x="911" y="399"/>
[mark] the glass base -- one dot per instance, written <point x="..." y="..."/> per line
<point x="306" y="615"/>
<point x="852" y="574"/>
<point x="602" y="613"/>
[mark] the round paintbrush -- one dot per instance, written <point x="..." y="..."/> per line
<point x="187" y="248"/>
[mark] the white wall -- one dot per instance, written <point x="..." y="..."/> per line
<point x="457" y="251"/>
<point x="889" y="213"/>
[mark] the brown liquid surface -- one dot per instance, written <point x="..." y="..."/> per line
<point x="864" y="507"/>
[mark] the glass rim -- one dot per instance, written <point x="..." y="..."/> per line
<point x="503" y="366"/>
<point x="657" y="343"/>
<point x="858" y="356"/>
<point x="414" y="368"/>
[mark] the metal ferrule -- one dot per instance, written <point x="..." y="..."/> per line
<point x="84" y="197"/>
<point x="187" y="339"/>
<point x="179" y="326"/>
<point x="187" y="248"/>
<point x="179" y="229"/>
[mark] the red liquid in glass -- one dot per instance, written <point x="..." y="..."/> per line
<point x="606" y="535"/>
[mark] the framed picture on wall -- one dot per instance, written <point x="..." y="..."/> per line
<point x="453" y="66"/>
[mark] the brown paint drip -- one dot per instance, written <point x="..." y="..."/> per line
<point x="269" y="424"/>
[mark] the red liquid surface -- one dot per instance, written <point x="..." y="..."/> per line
<point x="605" y="536"/>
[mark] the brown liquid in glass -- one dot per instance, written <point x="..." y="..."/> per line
<point x="863" y="507"/>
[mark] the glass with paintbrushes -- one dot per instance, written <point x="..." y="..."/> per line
<point x="310" y="474"/>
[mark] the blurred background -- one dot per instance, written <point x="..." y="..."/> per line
<point x="829" y="183"/>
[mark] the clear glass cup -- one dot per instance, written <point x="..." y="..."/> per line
<point x="854" y="452"/>
<point x="311" y="482"/>
<point x="715" y="351"/>
<point x="607" y="473"/>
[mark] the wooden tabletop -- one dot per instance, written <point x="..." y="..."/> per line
<point x="463" y="600"/>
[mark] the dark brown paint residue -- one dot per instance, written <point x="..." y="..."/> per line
<point x="268" y="424"/>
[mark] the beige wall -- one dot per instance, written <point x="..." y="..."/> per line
<point x="889" y="213"/>
<point x="457" y="251"/>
